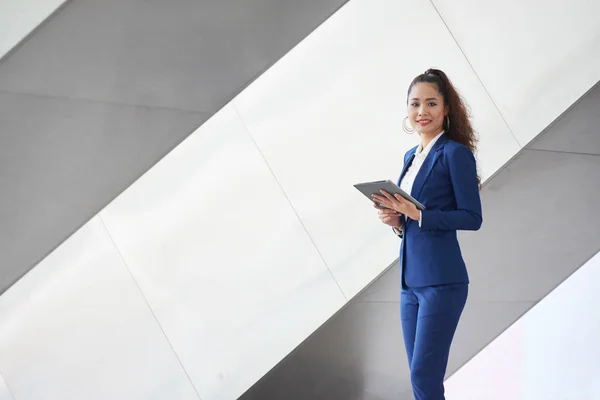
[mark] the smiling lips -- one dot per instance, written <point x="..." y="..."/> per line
<point x="423" y="122"/>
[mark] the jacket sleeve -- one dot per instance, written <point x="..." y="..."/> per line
<point x="468" y="215"/>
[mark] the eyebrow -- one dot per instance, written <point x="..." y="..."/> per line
<point x="429" y="98"/>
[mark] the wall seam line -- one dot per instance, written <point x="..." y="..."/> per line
<point x="119" y="104"/>
<point x="7" y="386"/>
<point x="476" y="74"/>
<point x="562" y="152"/>
<point x="288" y="200"/>
<point x="149" y="306"/>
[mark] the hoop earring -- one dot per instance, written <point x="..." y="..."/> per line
<point x="405" y="128"/>
<point x="448" y="123"/>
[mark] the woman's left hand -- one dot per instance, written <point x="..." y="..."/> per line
<point x="398" y="203"/>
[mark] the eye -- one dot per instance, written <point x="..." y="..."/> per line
<point x="432" y="104"/>
<point x="414" y="105"/>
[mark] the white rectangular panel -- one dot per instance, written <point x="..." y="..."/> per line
<point x="77" y="327"/>
<point x="535" y="57"/>
<point x="551" y="353"/>
<point x="329" y="115"/>
<point x="226" y="265"/>
<point x="18" y="18"/>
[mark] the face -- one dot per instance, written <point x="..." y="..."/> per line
<point x="426" y="109"/>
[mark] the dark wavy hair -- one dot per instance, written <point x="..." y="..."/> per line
<point x="460" y="129"/>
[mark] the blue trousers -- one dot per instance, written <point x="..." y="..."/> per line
<point x="429" y="318"/>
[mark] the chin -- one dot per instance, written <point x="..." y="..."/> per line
<point x="431" y="131"/>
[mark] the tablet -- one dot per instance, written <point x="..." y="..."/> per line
<point x="371" y="188"/>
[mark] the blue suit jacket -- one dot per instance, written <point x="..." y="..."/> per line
<point x="447" y="186"/>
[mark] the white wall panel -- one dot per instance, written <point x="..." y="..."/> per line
<point x="329" y="115"/>
<point x="535" y="57"/>
<point x="221" y="256"/>
<point x="77" y="327"/>
<point x="551" y="353"/>
<point x="5" y="391"/>
<point x="19" y="17"/>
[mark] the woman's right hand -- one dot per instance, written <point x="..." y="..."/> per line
<point x="388" y="217"/>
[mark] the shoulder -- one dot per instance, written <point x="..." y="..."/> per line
<point x="455" y="149"/>
<point x="453" y="146"/>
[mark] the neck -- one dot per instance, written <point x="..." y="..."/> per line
<point x="427" y="138"/>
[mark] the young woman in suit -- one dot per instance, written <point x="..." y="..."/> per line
<point x="441" y="173"/>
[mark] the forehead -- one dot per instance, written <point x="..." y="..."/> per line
<point x="424" y="90"/>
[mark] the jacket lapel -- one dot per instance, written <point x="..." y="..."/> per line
<point x="406" y="165"/>
<point x="427" y="166"/>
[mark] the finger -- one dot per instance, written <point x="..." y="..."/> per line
<point x="387" y="220"/>
<point x="384" y="208"/>
<point x="379" y="197"/>
<point x="383" y="202"/>
<point x="407" y="204"/>
<point x="387" y="200"/>
<point x="389" y="205"/>
<point x="398" y="203"/>
<point x="389" y="212"/>
<point x="387" y="216"/>
<point x="403" y="203"/>
<point x="387" y="195"/>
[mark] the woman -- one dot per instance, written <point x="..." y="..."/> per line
<point x="442" y="174"/>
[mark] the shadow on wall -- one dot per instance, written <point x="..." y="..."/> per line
<point x="323" y="367"/>
<point x="358" y="354"/>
